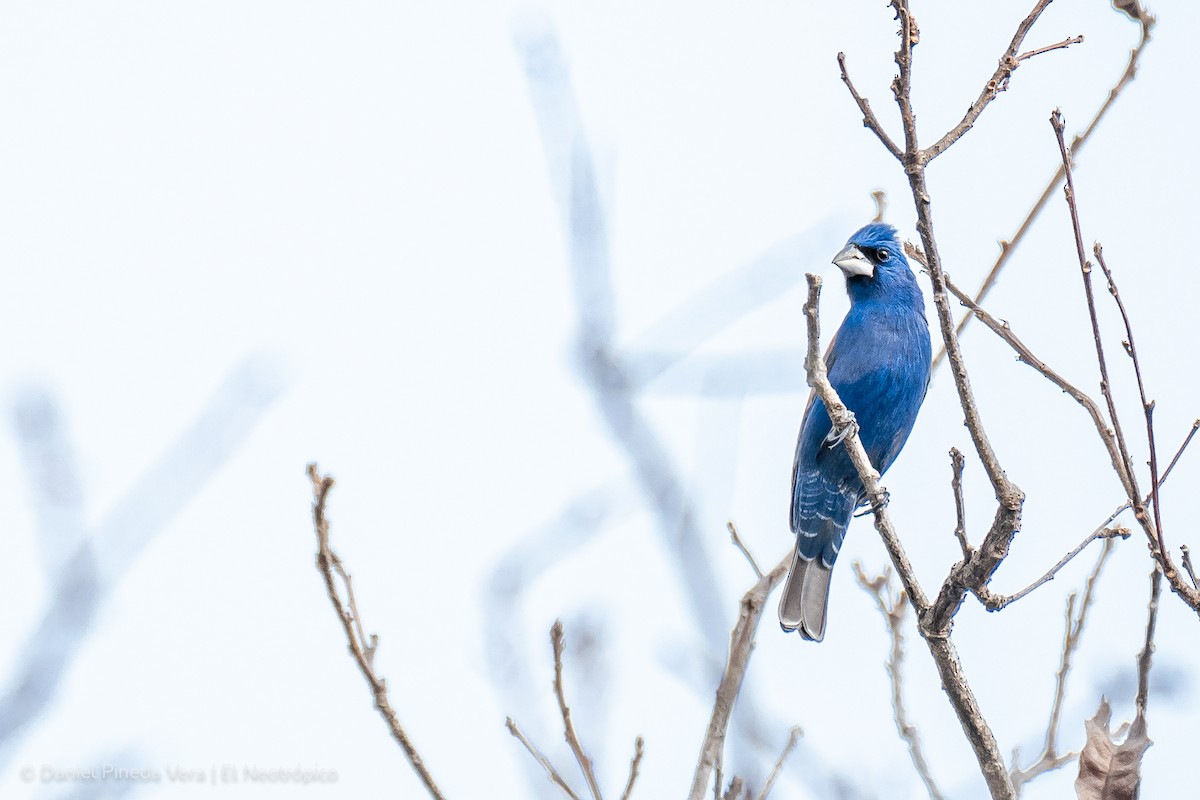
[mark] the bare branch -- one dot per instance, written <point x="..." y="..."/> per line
<point x="1050" y="759"/>
<point x="1026" y="356"/>
<point x="893" y="609"/>
<point x="870" y="121"/>
<point x="1126" y="472"/>
<point x="976" y="571"/>
<point x="585" y="763"/>
<point x="740" y="545"/>
<point x="741" y="644"/>
<point x="1009" y="246"/>
<point x="936" y="636"/>
<point x="793" y="737"/>
<point x="1056" y="46"/>
<point x="960" y="511"/>
<point x="1147" y="405"/>
<point x="995" y="85"/>
<point x="551" y="772"/>
<point x="1105" y="530"/>
<point x="363" y="651"/>
<point x="997" y="602"/>
<point x="634" y="764"/>
<point x="735" y="788"/>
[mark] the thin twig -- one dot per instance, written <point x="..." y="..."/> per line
<point x="1189" y="595"/>
<point x="960" y="511"/>
<point x="995" y="85"/>
<point x="870" y="121"/>
<point x="1050" y="759"/>
<point x="1009" y="246"/>
<point x="1144" y="658"/>
<point x="741" y="645"/>
<point x="1179" y="452"/>
<point x="1105" y="530"/>
<point x="793" y="737"/>
<point x="1056" y="46"/>
<point x="893" y="609"/>
<point x="363" y="650"/>
<point x="1187" y="564"/>
<point x="1126" y="474"/>
<point x="1026" y="356"/>
<point x="1107" y="437"/>
<point x="585" y="763"/>
<point x="634" y="764"/>
<point x="740" y="545"/>
<point x="997" y="602"/>
<point x="735" y="788"/>
<point x="1147" y="405"/>
<point x="551" y="772"/>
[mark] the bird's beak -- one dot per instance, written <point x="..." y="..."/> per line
<point x="853" y="262"/>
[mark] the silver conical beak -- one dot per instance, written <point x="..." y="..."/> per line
<point x="853" y="262"/>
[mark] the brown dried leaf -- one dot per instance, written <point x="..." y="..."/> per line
<point x="1107" y="770"/>
<point x="1133" y="8"/>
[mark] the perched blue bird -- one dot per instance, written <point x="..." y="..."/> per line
<point x="879" y="364"/>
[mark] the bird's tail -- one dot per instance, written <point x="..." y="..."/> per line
<point x="805" y="598"/>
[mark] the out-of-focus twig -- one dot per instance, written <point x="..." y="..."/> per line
<point x="793" y="737"/>
<point x="540" y="757"/>
<point x="893" y="608"/>
<point x="740" y="545"/>
<point x="634" y="764"/>
<point x="362" y="649"/>
<point x="516" y="573"/>
<point x="1050" y="759"/>
<point x="741" y="644"/>
<point x="91" y="562"/>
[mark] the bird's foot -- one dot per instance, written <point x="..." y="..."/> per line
<point x="876" y="507"/>
<point x="838" y="435"/>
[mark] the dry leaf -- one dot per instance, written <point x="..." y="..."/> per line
<point x="1133" y="8"/>
<point x="1107" y="770"/>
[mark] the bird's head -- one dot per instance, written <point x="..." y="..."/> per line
<point x="873" y="262"/>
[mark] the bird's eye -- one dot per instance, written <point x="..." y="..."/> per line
<point x="882" y="254"/>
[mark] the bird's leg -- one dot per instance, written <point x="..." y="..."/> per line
<point x="838" y="435"/>
<point x="876" y="507"/>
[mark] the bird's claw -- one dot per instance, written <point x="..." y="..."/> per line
<point x="876" y="507"/>
<point x="838" y="435"/>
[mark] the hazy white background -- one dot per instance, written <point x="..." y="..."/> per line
<point x="354" y="195"/>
